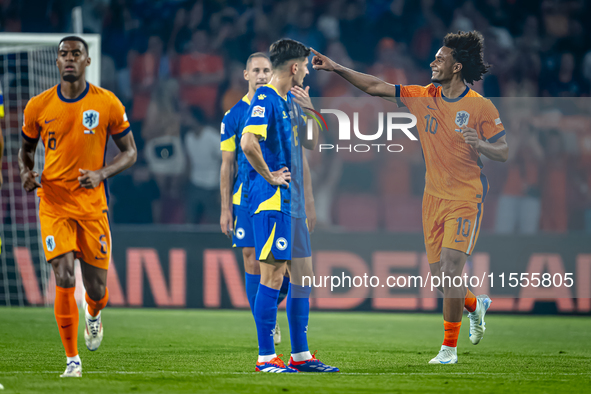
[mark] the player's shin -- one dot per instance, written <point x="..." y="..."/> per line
<point x="298" y="312"/>
<point x="252" y="287"/>
<point x="470" y="301"/>
<point x="284" y="290"/>
<point x="451" y="333"/>
<point x="66" y="316"/>
<point x="94" y="307"/>
<point x="265" y="316"/>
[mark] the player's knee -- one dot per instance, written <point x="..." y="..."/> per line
<point x="251" y="265"/>
<point x="64" y="277"/>
<point x="96" y="291"/>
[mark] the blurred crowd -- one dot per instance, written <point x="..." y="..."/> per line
<point x="177" y="66"/>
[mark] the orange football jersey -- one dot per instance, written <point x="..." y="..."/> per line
<point x="75" y="134"/>
<point x="454" y="168"/>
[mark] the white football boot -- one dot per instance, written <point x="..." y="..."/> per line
<point x="447" y="355"/>
<point x="477" y="325"/>
<point x="73" y="370"/>
<point x="93" y="333"/>
<point x="277" y="335"/>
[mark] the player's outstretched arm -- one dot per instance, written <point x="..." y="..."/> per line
<point x="26" y="163"/>
<point x="125" y="159"/>
<point x="368" y="83"/>
<point x="252" y="150"/>
<point x="497" y="151"/>
<point x="226" y="179"/>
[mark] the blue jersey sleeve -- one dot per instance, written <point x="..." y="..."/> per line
<point x="228" y="132"/>
<point x="259" y="116"/>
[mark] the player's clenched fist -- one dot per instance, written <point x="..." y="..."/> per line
<point x="321" y="62"/>
<point x="29" y="181"/>
<point x="471" y="137"/>
<point x="90" y="179"/>
<point x="280" y="177"/>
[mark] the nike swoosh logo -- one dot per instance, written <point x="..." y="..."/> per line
<point x="99" y="258"/>
<point x="428" y="106"/>
<point x="66" y="326"/>
<point x="459" y="241"/>
<point x="49" y="121"/>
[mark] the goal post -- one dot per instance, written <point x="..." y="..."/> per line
<point x="27" y="68"/>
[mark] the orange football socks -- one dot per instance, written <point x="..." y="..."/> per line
<point x="451" y="334"/>
<point x="66" y="316"/>
<point x="94" y="307"/>
<point x="470" y="301"/>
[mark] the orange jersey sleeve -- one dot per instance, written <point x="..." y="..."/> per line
<point x="30" y="129"/>
<point x="118" y="123"/>
<point x="490" y="124"/>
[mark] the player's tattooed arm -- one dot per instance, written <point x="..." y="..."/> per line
<point x="368" y="83"/>
<point x="226" y="179"/>
<point x="252" y="150"/>
<point x="125" y="159"/>
<point x="302" y="97"/>
<point x="497" y="151"/>
<point x="309" y="195"/>
<point x="26" y="163"/>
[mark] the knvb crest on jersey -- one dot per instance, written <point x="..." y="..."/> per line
<point x="90" y="120"/>
<point x="462" y="118"/>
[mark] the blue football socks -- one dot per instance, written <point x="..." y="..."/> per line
<point x="298" y="312"/>
<point x="284" y="290"/>
<point x="265" y="317"/>
<point x="252" y="286"/>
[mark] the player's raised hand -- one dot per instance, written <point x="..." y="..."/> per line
<point x="226" y="222"/>
<point x="29" y="181"/>
<point x="302" y="96"/>
<point x="321" y="62"/>
<point x="90" y="179"/>
<point x="471" y="137"/>
<point x="280" y="177"/>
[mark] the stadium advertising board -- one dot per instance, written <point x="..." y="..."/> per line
<point x="381" y="271"/>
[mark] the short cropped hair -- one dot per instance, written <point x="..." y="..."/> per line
<point x="74" y="38"/>
<point x="255" y="55"/>
<point x="467" y="48"/>
<point x="285" y="50"/>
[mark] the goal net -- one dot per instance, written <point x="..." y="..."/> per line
<point x="27" y="68"/>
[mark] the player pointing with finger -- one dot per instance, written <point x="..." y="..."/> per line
<point x="456" y="125"/>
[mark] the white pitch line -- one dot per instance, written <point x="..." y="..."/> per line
<point x="340" y="373"/>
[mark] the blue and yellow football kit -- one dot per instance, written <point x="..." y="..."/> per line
<point x="231" y="131"/>
<point x="278" y="212"/>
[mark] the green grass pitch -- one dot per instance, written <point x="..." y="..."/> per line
<point x="146" y="350"/>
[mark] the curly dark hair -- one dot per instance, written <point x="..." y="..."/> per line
<point x="467" y="48"/>
<point x="286" y="49"/>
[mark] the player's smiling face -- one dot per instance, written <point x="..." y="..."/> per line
<point x="258" y="73"/>
<point x="72" y="60"/>
<point x="442" y="67"/>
